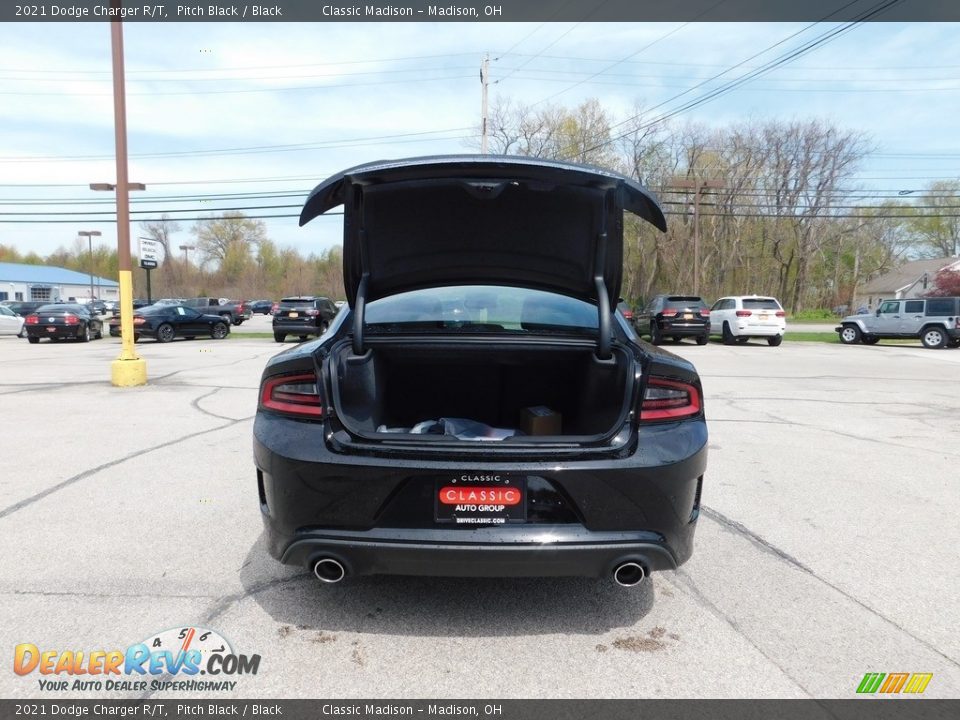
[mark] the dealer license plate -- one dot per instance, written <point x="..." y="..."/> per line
<point x="474" y="499"/>
<point x="293" y="314"/>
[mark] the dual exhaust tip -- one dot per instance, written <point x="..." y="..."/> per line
<point x="332" y="571"/>
<point x="329" y="570"/>
<point x="629" y="574"/>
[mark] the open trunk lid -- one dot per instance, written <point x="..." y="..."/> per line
<point x="501" y="220"/>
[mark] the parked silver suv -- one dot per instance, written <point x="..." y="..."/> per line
<point x="936" y="321"/>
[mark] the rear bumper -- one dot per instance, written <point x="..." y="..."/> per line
<point x="296" y="329"/>
<point x="758" y="330"/>
<point x="437" y="554"/>
<point x="41" y="331"/>
<point x="682" y="329"/>
<point x="375" y="514"/>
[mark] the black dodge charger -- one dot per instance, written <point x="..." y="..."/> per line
<point x="480" y="409"/>
<point x="166" y="322"/>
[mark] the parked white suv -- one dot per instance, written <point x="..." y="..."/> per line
<point x="741" y="317"/>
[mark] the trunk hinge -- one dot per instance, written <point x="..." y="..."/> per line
<point x="358" y="313"/>
<point x="360" y="303"/>
<point x="603" y="298"/>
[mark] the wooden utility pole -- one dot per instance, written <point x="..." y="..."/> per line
<point x="698" y="186"/>
<point x="484" y="82"/>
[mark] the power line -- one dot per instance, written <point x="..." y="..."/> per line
<point x="630" y="56"/>
<point x="297" y="88"/>
<point x="254" y="149"/>
<point x="768" y="216"/>
<point x="819" y="41"/>
<point x="134" y="71"/>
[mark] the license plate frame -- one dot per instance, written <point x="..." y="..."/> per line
<point x="486" y="509"/>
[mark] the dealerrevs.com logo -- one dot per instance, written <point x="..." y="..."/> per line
<point x="172" y="660"/>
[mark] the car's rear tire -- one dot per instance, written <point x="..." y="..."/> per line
<point x="869" y="339"/>
<point x="703" y="339"/>
<point x="238" y="322"/>
<point x="219" y="331"/>
<point x="775" y="340"/>
<point x="933" y="338"/>
<point x="166" y="333"/>
<point x="302" y="337"/>
<point x="850" y="335"/>
<point x="85" y="335"/>
<point x="33" y="340"/>
<point x="279" y="337"/>
<point x="955" y="343"/>
<point x="728" y="337"/>
<point x="743" y="340"/>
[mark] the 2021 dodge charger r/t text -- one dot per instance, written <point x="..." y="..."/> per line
<point x="479" y="409"/>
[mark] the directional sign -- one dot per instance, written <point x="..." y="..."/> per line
<point x="150" y="252"/>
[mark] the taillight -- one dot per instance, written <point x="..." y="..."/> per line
<point x="32" y="320"/>
<point x="781" y="313"/>
<point x="744" y="313"/>
<point x="292" y="394"/>
<point x="71" y="319"/>
<point x="669" y="400"/>
<point x="240" y="308"/>
<point x="137" y="321"/>
<point x="668" y="313"/>
<point x="628" y="315"/>
<point x="704" y="313"/>
<point x="313" y="312"/>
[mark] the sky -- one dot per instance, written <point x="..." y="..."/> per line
<point x="229" y="108"/>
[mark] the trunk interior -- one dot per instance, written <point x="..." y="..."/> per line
<point x="399" y="386"/>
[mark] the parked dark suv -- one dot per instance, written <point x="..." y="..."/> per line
<point x="302" y="316"/>
<point x="674" y="316"/>
<point x="479" y="408"/>
<point x="935" y="321"/>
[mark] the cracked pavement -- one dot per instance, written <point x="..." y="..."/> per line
<point x="827" y="548"/>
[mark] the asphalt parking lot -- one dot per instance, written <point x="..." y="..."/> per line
<point x="828" y="546"/>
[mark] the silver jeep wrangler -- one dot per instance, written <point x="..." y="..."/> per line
<point x="936" y="321"/>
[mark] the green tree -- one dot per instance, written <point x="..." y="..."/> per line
<point x="228" y="240"/>
<point x="936" y="225"/>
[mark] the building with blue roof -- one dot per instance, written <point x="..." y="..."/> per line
<point x="19" y="281"/>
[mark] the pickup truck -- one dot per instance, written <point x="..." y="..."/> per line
<point x="237" y="311"/>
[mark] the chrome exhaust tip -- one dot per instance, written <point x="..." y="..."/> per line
<point x="329" y="570"/>
<point x="629" y="574"/>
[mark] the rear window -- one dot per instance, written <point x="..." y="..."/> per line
<point x="481" y="308"/>
<point x="683" y="302"/>
<point x="153" y="309"/>
<point x="295" y="302"/>
<point x="61" y="307"/>
<point x="941" y="307"/>
<point x="760" y="304"/>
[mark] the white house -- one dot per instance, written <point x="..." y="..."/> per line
<point x="910" y="280"/>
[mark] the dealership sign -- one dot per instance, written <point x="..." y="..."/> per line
<point x="151" y="253"/>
